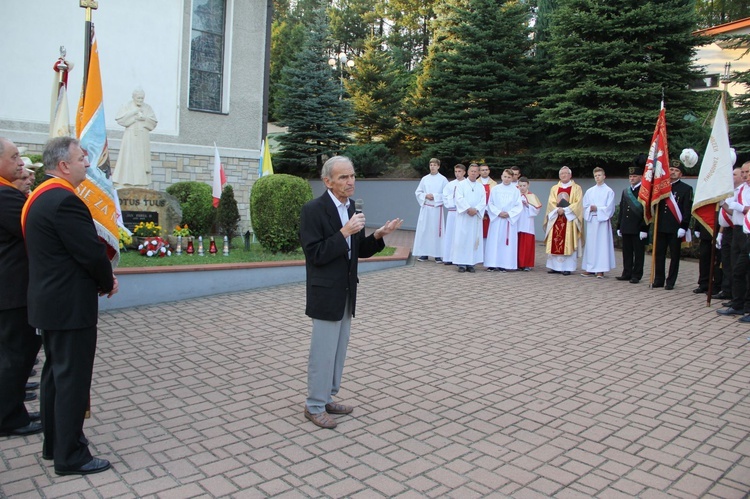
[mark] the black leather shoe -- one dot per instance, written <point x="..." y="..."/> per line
<point x="32" y="385"/>
<point x="634" y="281"/>
<point x="553" y="271"/>
<point x="726" y="303"/>
<point x="744" y="318"/>
<point x="96" y="465"/>
<point x="470" y="269"/>
<point x="30" y="396"/>
<point x="721" y="295"/>
<point x="566" y="272"/>
<point x="730" y="311"/>
<point x="35" y="416"/>
<point x="622" y="278"/>
<point x="29" y="429"/>
<point x="657" y="285"/>
<point x="669" y="286"/>
<point x="698" y="291"/>
<point x="461" y="269"/>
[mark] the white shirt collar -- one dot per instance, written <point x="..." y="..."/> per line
<point x="337" y="202"/>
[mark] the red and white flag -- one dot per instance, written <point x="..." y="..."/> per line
<point x="220" y="179"/>
<point x="655" y="184"/>
<point x="715" y="177"/>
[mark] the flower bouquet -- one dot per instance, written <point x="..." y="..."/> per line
<point x="155" y="246"/>
<point x="125" y="238"/>
<point x="183" y="231"/>
<point x="147" y="229"/>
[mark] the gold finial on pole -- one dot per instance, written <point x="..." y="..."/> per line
<point x="89" y="5"/>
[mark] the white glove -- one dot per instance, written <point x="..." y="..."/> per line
<point x="680" y="233"/>
<point x="619" y="233"/>
<point x="643" y="235"/>
<point x="697" y="234"/>
<point x="718" y="240"/>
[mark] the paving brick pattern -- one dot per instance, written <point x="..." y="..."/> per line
<point x="465" y="385"/>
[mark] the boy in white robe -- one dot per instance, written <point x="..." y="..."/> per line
<point x="428" y="238"/>
<point x="526" y="231"/>
<point x="468" y="240"/>
<point x="504" y="208"/>
<point x="598" y="208"/>
<point x="449" y="202"/>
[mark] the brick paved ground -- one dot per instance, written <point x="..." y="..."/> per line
<point x="465" y="385"/>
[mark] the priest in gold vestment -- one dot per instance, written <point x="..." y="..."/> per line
<point x="563" y="224"/>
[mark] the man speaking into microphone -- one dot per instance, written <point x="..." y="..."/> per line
<point x="333" y="238"/>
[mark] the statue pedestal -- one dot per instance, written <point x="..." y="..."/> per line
<point x="146" y="205"/>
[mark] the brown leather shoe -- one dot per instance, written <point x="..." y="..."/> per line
<point x="324" y="420"/>
<point x="334" y="408"/>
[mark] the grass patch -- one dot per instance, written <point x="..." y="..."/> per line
<point x="132" y="258"/>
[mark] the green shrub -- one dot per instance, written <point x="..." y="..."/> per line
<point x="227" y="215"/>
<point x="371" y="160"/>
<point x="196" y="201"/>
<point x="275" y="205"/>
<point x="39" y="173"/>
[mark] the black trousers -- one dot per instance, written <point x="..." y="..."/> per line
<point x="633" y="251"/>
<point x="726" y="260"/>
<point x="740" y="267"/>
<point x="704" y="266"/>
<point x="19" y="345"/>
<point x="664" y="241"/>
<point x="66" y="381"/>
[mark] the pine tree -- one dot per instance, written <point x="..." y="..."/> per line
<point x="311" y="106"/>
<point x="472" y="100"/>
<point x="714" y="12"/>
<point x="227" y="214"/>
<point x="376" y="89"/>
<point x="610" y="61"/>
<point x="287" y="35"/>
<point x="739" y="118"/>
<point x="410" y="30"/>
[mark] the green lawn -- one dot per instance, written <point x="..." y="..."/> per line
<point x="132" y="258"/>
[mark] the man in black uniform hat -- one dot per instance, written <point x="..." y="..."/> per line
<point x="631" y="226"/>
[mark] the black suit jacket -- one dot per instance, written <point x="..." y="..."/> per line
<point x="14" y="266"/>
<point x="630" y="220"/>
<point x="683" y="194"/>
<point x="68" y="264"/>
<point x="331" y="274"/>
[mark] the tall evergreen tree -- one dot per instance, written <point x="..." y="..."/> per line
<point x="311" y="106"/>
<point x="410" y="30"/>
<point x="350" y="22"/>
<point x="472" y="100"/>
<point x="611" y="59"/>
<point x="739" y="114"/>
<point x="714" y="12"/>
<point x="287" y="35"/>
<point x="376" y="90"/>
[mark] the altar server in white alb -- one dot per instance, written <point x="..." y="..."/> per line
<point x="598" y="208"/>
<point x="468" y="240"/>
<point x="526" y="232"/>
<point x="428" y="238"/>
<point x="504" y="208"/>
<point x="449" y="202"/>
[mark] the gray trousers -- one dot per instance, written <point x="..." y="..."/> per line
<point x="326" y="362"/>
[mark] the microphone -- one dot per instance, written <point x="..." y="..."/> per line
<point x="359" y="205"/>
